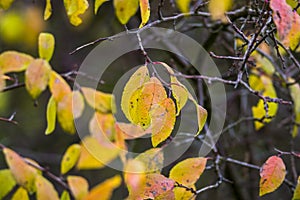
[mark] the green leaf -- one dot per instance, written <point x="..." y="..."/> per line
<point x="70" y="158"/>
<point x="98" y="4"/>
<point x="20" y="194"/>
<point x="78" y="186"/>
<point x="74" y="8"/>
<point x="48" y="10"/>
<point x="12" y="61"/>
<point x="65" y="195"/>
<point x="7" y="185"/>
<point x="51" y="116"/>
<point x="45" y="189"/>
<point x="125" y="9"/>
<point x="46" y="45"/>
<point x="37" y="77"/>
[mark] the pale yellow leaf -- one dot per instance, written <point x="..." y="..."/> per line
<point x="125" y="9"/>
<point x="65" y="113"/>
<point x="78" y="186"/>
<point x="98" y="4"/>
<point x="2" y="81"/>
<point x="45" y="189"/>
<point x="218" y="9"/>
<point x="46" y="45"/>
<point x="102" y="127"/>
<point x="153" y="160"/>
<point x="37" y="77"/>
<point x="74" y="8"/>
<point x="20" y="194"/>
<point x="78" y="104"/>
<point x="145" y="11"/>
<point x="12" y="61"/>
<point x="51" y="116"/>
<point x="58" y="86"/>
<point x="183" y="5"/>
<point x="70" y="158"/>
<point x="48" y="10"/>
<point x="201" y="114"/>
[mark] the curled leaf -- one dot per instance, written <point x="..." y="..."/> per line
<point x="75" y="8"/>
<point x="51" y="116"/>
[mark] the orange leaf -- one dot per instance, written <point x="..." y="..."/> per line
<point x="181" y="172"/>
<point x="45" y="189"/>
<point x="145" y="11"/>
<point x="58" y="86"/>
<point x="105" y="189"/>
<point x="37" y="77"/>
<point x="272" y="175"/>
<point x="163" y="120"/>
<point x="12" y="61"/>
<point x="156" y="184"/>
<point x="78" y="186"/>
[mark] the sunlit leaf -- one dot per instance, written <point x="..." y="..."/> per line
<point x="145" y="11"/>
<point x="58" y="86"/>
<point x="98" y="4"/>
<point x="94" y="155"/>
<point x="157" y="184"/>
<point x="37" y="77"/>
<point x="51" y="116"/>
<point x="12" y="61"/>
<point x="20" y="194"/>
<point x="131" y="131"/>
<point x="5" y="4"/>
<point x="78" y="186"/>
<point x="78" y="104"/>
<point x="296" y="195"/>
<point x="125" y="9"/>
<point x="144" y="99"/>
<point x="135" y="177"/>
<point x="100" y="101"/>
<point x="181" y="172"/>
<point x="48" y="10"/>
<point x="7" y="185"/>
<point x="295" y="94"/>
<point x="23" y="173"/>
<point x="218" y="9"/>
<point x="65" y="195"/>
<point x="70" y="158"/>
<point x="75" y="8"/>
<point x="104" y="189"/>
<point x="45" y="189"/>
<point x="46" y="45"/>
<point x="272" y="175"/>
<point x="183" y="5"/>
<point x="65" y="113"/>
<point x="287" y="22"/>
<point x="139" y="77"/>
<point x="163" y="118"/>
<point x="153" y="160"/>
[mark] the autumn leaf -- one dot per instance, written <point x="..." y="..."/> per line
<point x="65" y="113"/>
<point x="23" y="173"/>
<point x="156" y="184"/>
<point x="163" y="120"/>
<point x="58" y="86"/>
<point x="37" y="77"/>
<point x="218" y="9"/>
<point x="12" y="61"/>
<point x="100" y="101"/>
<point x="48" y="10"/>
<point x="20" y="194"/>
<point x="46" y="45"/>
<point x="78" y="186"/>
<point x="65" y="195"/>
<point x="2" y="82"/>
<point x="5" y="4"/>
<point x="272" y="175"/>
<point x="104" y="189"/>
<point x="77" y="103"/>
<point x="125" y="9"/>
<point x="45" y="189"/>
<point x="70" y="158"/>
<point x="87" y="160"/>
<point x="137" y="80"/>
<point x="201" y="114"/>
<point x="7" y="185"/>
<point x="183" y="194"/>
<point x="181" y="172"/>
<point x="167" y="195"/>
<point x="153" y="160"/>
<point x="287" y="23"/>
<point x="296" y="195"/>
<point x="145" y="11"/>
<point x="98" y="4"/>
<point x="74" y="8"/>
<point x="131" y="131"/>
<point x="51" y="116"/>
<point x="183" y="5"/>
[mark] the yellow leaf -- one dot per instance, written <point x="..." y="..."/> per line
<point x="78" y="186"/>
<point x="163" y="118"/>
<point x="100" y="101"/>
<point x="51" y="116"/>
<point x="95" y="155"/>
<point x="48" y="10"/>
<point x="78" y="104"/>
<point x="58" y="86"/>
<point x="5" y="4"/>
<point x="183" y="5"/>
<point x="98" y="4"/>
<point x="75" y="8"/>
<point x="295" y="94"/>
<point x="138" y="78"/>
<point x="296" y="195"/>
<point x="131" y="131"/>
<point x="46" y="45"/>
<point x="218" y="9"/>
<point x="7" y="185"/>
<point x="104" y="189"/>
<point x="272" y="175"/>
<point x="183" y="194"/>
<point x="65" y="195"/>
<point x="153" y="160"/>
<point x="20" y="194"/>
<point x="145" y="11"/>
<point x="70" y="158"/>
<point x="45" y="189"/>
<point x="181" y="172"/>
<point x="167" y="195"/>
<point x="23" y="173"/>
<point x="12" y="61"/>
<point x="2" y="81"/>
<point x="135" y="177"/>
<point x="37" y="77"/>
<point x="125" y="9"/>
<point x="102" y="127"/>
<point x="65" y="113"/>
